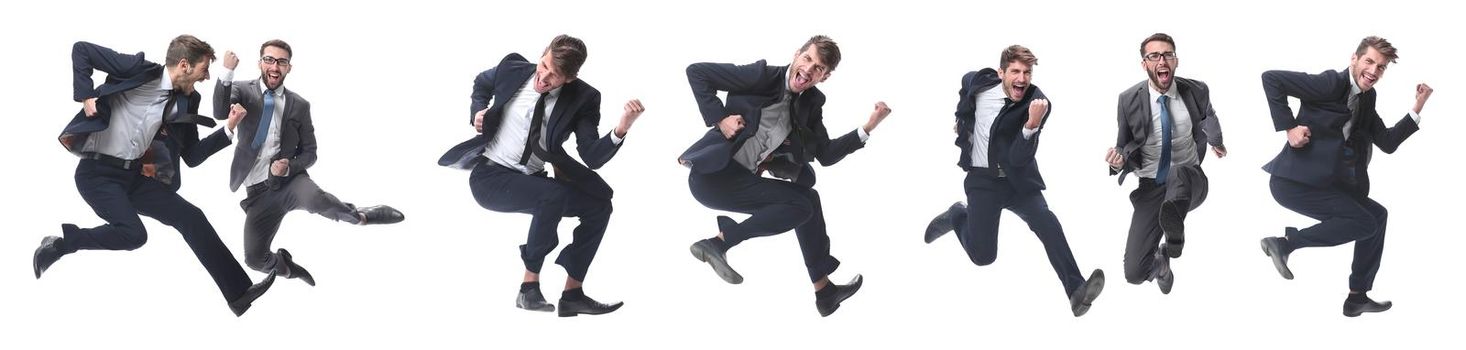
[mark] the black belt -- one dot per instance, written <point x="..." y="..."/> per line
<point x="489" y="162"/>
<point x="125" y="164"/>
<point x="996" y="172"/>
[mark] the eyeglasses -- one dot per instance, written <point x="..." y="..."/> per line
<point x="1156" y="56"/>
<point x="275" y="61"/>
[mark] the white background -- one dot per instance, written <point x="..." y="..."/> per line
<point x="390" y="83"/>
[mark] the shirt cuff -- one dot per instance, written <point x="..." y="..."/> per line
<point x="229" y="131"/>
<point x="1028" y="133"/>
<point x="615" y="140"/>
<point x="227" y="77"/>
<point x="1415" y="116"/>
<point x="863" y="135"/>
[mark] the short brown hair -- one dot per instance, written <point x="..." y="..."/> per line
<point x="1379" y="44"/>
<point x="277" y="43"/>
<point x="1162" y="37"/>
<point x="189" y="48"/>
<point x="567" y="53"/>
<point x="1017" y="53"/>
<point x="827" y="49"/>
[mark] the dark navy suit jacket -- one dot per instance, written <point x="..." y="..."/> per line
<point x="577" y="111"/>
<point x="1007" y="148"/>
<point x="177" y="139"/>
<point x="751" y="88"/>
<point x="1324" y="109"/>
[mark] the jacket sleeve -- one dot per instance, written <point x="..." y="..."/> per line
<point x="196" y="151"/>
<point x="706" y="79"/>
<point x="1024" y="150"/>
<point x="1389" y="139"/>
<point x="87" y="57"/>
<point x="1279" y="85"/>
<point x="594" y="148"/>
<point x="483" y="93"/>
<point x="1123" y="138"/>
<point x="831" y="151"/>
<point x="306" y="153"/>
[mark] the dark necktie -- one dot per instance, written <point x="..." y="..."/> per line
<point x="1164" y="168"/>
<point x="265" y="118"/>
<point x="532" y="143"/>
<point x="1353" y="114"/>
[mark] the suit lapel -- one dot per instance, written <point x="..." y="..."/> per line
<point x="557" y="119"/>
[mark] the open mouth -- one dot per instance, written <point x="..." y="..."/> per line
<point x="1163" y="76"/>
<point x="801" y="80"/>
<point x="1018" y="90"/>
<point x="1369" y="78"/>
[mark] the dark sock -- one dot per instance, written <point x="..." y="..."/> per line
<point x="1357" y="298"/>
<point x="826" y="292"/>
<point x="719" y="243"/>
<point x="526" y="286"/>
<point x="573" y="294"/>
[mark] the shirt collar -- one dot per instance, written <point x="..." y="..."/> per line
<point x="1353" y="85"/>
<point x="279" y="92"/>
<point x="167" y="82"/>
<point x="1155" y="94"/>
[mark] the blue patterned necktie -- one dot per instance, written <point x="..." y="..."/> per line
<point x="266" y="117"/>
<point x="1164" y="168"/>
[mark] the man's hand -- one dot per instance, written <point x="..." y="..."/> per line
<point x="1036" y="111"/>
<point x="89" y="106"/>
<point x="1298" y="136"/>
<point x="1220" y="151"/>
<point x="230" y="60"/>
<point x="236" y="113"/>
<point x="731" y="125"/>
<point x="1115" y="159"/>
<point x="1422" y="93"/>
<point x="877" y="116"/>
<point x="633" y="110"/>
<point x="478" y="120"/>
<point x="280" y="167"/>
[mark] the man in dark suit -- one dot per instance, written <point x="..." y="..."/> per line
<point x="535" y="108"/>
<point x="999" y="117"/>
<point x="131" y="134"/>
<point x="1323" y="170"/>
<point x="1165" y="123"/>
<point x="280" y="144"/>
<point x="772" y="121"/>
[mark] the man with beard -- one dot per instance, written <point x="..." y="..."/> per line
<point x="131" y="134"/>
<point x="523" y="113"/>
<point x="1164" y="125"/>
<point x="1323" y="170"/>
<point x="999" y="117"/>
<point x="773" y="121"/>
<point x="279" y="145"/>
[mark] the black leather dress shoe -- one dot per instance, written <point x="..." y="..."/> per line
<point x="1273" y="247"/>
<point x="533" y="300"/>
<point x="942" y="224"/>
<point x="713" y="253"/>
<point x="243" y="302"/>
<point x="827" y="303"/>
<point x="380" y="215"/>
<point x="1356" y="308"/>
<point x="47" y="254"/>
<point x="1081" y="299"/>
<point x="1165" y="278"/>
<point x="293" y="270"/>
<point x="585" y="306"/>
<point x="1173" y="225"/>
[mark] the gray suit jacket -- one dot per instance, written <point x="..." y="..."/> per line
<point x="297" y="134"/>
<point x="1135" y="126"/>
